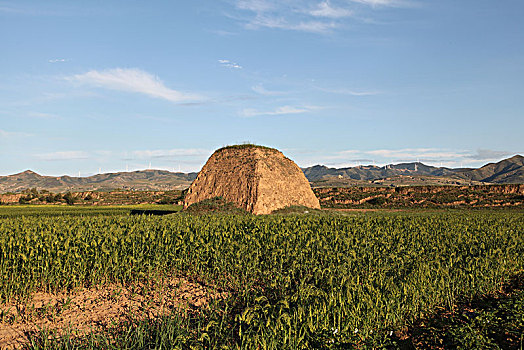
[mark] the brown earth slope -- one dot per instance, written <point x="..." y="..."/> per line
<point x="257" y="179"/>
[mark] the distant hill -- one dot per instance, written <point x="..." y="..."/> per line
<point x="507" y="171"/>
<point x="145" y="180"/>
<point x="371" y="172"/>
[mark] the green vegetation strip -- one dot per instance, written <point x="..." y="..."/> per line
<point x="294" y="281"/>
<point x="87" y="210"/>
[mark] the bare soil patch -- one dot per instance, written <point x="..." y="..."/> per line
<point x="92" y="309"/>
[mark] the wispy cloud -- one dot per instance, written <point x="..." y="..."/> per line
<point x="170" y="153"/>
<point x="57" y="60"/>
<point x="17" y="10"/>
<point x="349" y="92"/>
<point x="488" y="154"/>
<point x="41" y="115"/>
<point x="410" y="154"/>
<point x="224" y="32"/>
<point x="390" y="3"/>
<point x="321" y="17"/>
<point x="41" y="8"/>
<point x="430" y="156"/>
<point x="4" y="134"/>
<point x="196" y="155"/>
<point x="257" y="5"/>
<point x="282" y="23"/>
<point x="259" y="89"/>
<point x="325" y="9"/>
<point x="287" y="15"/>
<point x="63" y="155"/>
<point x="229" y="64"/>
<point x="7" y="9"/>
<point x="250" y="112"/>
<point x="133" y="80"/>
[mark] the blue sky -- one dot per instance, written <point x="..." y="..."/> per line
<point x="89" y="86"/>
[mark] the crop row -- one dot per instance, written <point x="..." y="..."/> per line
<point x="294" y="281"/>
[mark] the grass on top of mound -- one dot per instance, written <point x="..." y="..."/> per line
<point x="215" y="205"/>
<point x="245" y="145"/>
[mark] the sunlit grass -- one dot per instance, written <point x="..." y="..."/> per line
<point x="295" y="281"/>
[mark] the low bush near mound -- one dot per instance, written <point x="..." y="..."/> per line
<point x="215" y="205"/>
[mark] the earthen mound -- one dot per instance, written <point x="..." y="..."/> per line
<point x="257" y="179"/>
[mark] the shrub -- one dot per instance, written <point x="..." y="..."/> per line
<point x="69" y="199"/>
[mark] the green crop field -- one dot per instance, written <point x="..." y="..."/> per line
<point x="293" y="281"/>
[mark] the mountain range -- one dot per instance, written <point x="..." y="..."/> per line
<point x="144" y="180"/>
<point x="506" y="171"/>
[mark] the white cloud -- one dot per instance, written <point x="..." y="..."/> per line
<point x="256" y="5"/>
<point x="224" y="32"/>
<point x="281" y="23"/>
<point x="286" y="15"/>
<point x="177" y="152"/>
<point x="488" y="154"/>
<point x="324" y="9"/>
<point x="259" y="89"/>
<point x="56" y="60"/>
<point x="416" y="153"/>
<point x="16" y="10"/>
<point x="10" y="134"/>
<point x="381" y="157"/>
<point x="250" y="112"/>
<point x="349" y="92"/>
<point x="42" y="115"/>
<point x="229" y="64"/>
<point x="196" y="155"/>
<point x="451" y="158"/>
<point x="132" y="80"/>
<point x="348" y="152"/>
<point x="375" y="3"/>
<point x="5" y="134"/>
<point x="314" y="16"/>
<point x="63" y="155"/>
